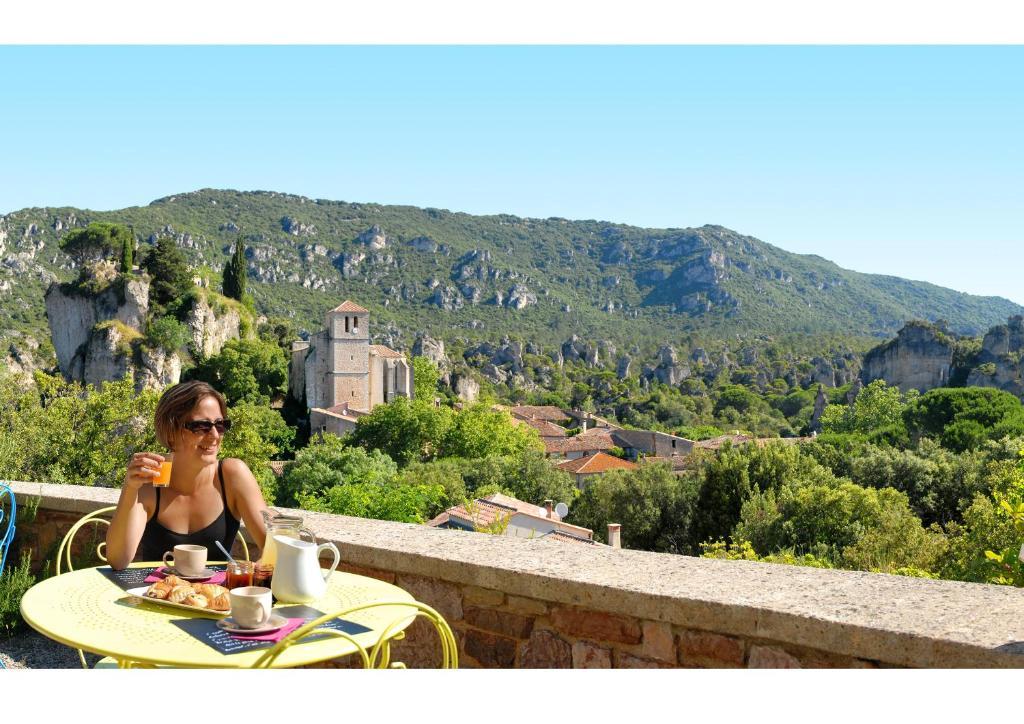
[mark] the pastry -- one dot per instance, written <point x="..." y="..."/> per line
<point x="210" y="590"/>
<point x="196" y="599"/>
<point x="180" y="593"/>
<point x="158" y="591"/>
<point x="221" y="602"/>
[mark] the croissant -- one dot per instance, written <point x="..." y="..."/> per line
<point x="196" y="599"/>
<point x="175" y="581"/>
<point x="221" y="602"/>
<point x="210" y="590"/>
<point x="158" y="591"/>
<point x="180" y="593"/>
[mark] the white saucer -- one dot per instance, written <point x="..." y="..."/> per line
<point x="274" y="624"/>
<point x="203" y="575"/>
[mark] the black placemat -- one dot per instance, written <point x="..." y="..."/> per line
<point x="134" y="577"/>
<point x="206" y="630"/>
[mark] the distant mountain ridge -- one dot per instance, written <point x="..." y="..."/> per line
<point x="484" y="277"/>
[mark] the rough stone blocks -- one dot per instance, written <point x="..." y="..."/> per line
<point x="596" y="625"/>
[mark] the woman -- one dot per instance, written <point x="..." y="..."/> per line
<point x="206" y="498"/>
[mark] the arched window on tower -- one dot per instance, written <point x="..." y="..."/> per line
<point x="346" y="324"/>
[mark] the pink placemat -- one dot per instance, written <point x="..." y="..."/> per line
<point x="160" y="573"/>
<point x="274" y="636"/>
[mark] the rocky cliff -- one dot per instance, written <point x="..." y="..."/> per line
<point x="999" y="361"/>
<point x="919" y="358"/>
<point x="96" y="326"/>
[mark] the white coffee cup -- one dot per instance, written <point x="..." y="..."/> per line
<point x="189" y="560"/>
<point x="250" y="606"/>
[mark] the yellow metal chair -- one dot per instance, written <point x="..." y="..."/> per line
<point x="378" y="657"/>
<point x="64" y="557"/>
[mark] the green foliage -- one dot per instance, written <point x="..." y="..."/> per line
<point x="725" y="487"/>
<point x="478" y="431"/>
<point x="167" y="333"/>
<point x="406" y="430"/>
<point x="62" y="432"/>
<point x="328" y="462"/>
<point x="127" y="253"/>
<point x="15" y="580"/>
<point x="236" y="273"/>
<point x="333" y="477"/>
<point x="655" y="507"/>
<point x="937" y="482"/>
<point x="963" y="418"/>
<point x="250" y="370"/>
<point x="876" y="408"/>
<point x="744" y="551"/>
<point x="425" y="376"/>
<point x="169" y="271"/>
<point x="99" y="240"/>
<point x="699" y="432"/>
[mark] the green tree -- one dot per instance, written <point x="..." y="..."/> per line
<point x="127" y="253"/>
<point x="235" y="275"/>
<point x="877" y="407"/>
<point x="328" y="462"/>
<point x="654" y="506"/>
<point x="406" y="430"/>
<point x="169" y="271"/>
<point x="167" y="333"/>
<point x="963" y="418"/>
<point x="726" y="485"/>
<point x="478" y="431"/>
<point x="99" y="240"/>
<point x="252" y="370"/>
<point x="425" y="378"/>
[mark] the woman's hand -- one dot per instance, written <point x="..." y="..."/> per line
<point x="144" y="466"/>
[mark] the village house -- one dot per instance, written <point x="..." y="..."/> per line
<point x="585" y="468"/>
<point x="341" y="375"/>
<point x="508" y="516"/>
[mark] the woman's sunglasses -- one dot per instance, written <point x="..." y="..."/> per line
<point x="202" y="427"/>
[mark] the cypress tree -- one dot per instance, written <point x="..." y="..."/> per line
<point x="235" y="273"/>
<point x="127" y="254"/>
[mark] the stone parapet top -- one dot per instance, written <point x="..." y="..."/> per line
<point x="893" y="619"/>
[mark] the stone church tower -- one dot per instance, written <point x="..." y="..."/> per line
<point x="341" y="375"/>
<point x="348" y="326"/>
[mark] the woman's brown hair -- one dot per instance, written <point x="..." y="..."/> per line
<point x="176" y="403"/>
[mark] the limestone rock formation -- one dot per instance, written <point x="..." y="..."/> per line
<point x="73" y="314"/>
<point x="432" y="349"/>
<point x="374" y="238"/>
<point x="466" y="388"/>
<point x="209" y="331"/>
<point x="520" y="297"/>
<point x="919" y="358"/>
<point x="999" y="362"/>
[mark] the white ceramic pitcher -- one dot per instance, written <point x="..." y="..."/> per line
<point x="297" y="575"/>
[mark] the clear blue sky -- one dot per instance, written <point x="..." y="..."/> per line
<point x="899" y="160"/>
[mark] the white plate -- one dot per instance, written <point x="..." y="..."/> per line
<point x="275" y="623"/>
<point x="140" y="592"/>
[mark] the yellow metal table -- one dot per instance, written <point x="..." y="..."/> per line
<point x="88" y="611"/>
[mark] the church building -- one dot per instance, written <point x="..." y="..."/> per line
<point x="342" y="375"/>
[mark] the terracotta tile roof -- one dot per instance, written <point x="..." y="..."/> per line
<point x="538" y="412"/>
<point x="545" y="428"/>
<point x="350" y="306"/>
<point x="278" y="466"/>
<point x="520" y="506"/>
<point x="599" y="462"/>
<point x="560" y="537"/>
<point x="345" y="413"/>
<point x="485" y="514"/>
<point x="382" y="351"/>
<point x="581" y="443"/>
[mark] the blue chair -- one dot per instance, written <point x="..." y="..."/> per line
<point x="8" y="513"/>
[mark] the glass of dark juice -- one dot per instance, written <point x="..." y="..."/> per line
<point x="262" y="575"/>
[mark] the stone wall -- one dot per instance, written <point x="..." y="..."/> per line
<point x="536" y="603"/>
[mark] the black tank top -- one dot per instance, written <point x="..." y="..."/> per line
<point x="156" y="539"/>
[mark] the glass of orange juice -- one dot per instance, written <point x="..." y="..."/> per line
<point x="164" y="478"/>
